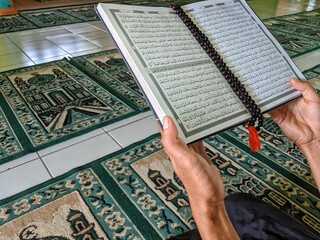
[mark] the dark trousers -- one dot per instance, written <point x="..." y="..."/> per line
<point x="255" y="219"/>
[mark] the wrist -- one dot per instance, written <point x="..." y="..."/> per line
<point x="213" y="221"/>
<point x="312" y="153"/>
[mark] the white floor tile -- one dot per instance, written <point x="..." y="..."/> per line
<point x="94" y="34"/>
<point x="22" y="177"/>
<point x="81" y="53"/>
<point x="20" y="65"/>
<point x="99" y="24"/>
<point x="135" y="131"/>
<point x="81" y="29"/>
<point x="77" y="155"/>
<point x="38" y="44"/>
<point x="79" y="46"/>
<point x="54" y="31"/>
<point x="43" y="53"/>
<point x="66" y="38"/>
<point x="19" y="161"/>
<point x="45" y="60"/>
<point x="25" y="36"/>
<point x="8" y="48"/>
<point x="70" y="27"/>
<point x="105" y="42"/>
<point x="13" y="59"/>
<point x="307" y="61"/>
<point x="127" y="121"/>
<point x="70" y="142"/>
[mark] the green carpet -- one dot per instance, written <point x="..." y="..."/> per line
<point x="14" y="23"/>
<point x="50" y="103"/>
<point x="313" y="75"/>
<point x="49" y="18"/>
<point x="297" y="33"/>
<point x="310" y="18"/>
<point x="312" y="72"/>
<point x="134" y="193"/>
<point x="109" y="69"/>
<point x="85" y="13"/>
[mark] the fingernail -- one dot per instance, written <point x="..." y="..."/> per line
<point x="165" y="123"/>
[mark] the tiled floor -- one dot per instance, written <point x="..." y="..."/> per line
<point x="42" y="45"/>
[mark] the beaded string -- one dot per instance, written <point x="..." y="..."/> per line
<point x="235" y="84"/>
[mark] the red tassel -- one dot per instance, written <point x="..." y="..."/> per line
<point x="254" y="140"/>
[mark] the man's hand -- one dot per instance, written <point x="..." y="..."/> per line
<point x="202" y="182"/>
<point x="299" y="120"/>
<point x="200" y="177"/>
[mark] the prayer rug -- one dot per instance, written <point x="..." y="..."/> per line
<point x="313" y="75"/>
<point x="295" y="45"/>
<point x="10" y="145"/>
<point x="52" y="102"/>
<point x="49" y="18"/>
<point x="14" y="23"/>
<point x="278" y="173"/>
<point x="134" y="193"/>
<point x="309" y="18"/>
<point x="312" y="72"/>
<point x="85" y="13"/>
<point x="293" y="28"/>
<point x="297" y="33"/>
<point x="109" y="69"/>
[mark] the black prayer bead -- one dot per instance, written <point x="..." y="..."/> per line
<point x="234" y="82"/>
<point x="175" y="6"/>
<point x="181" y="14"/>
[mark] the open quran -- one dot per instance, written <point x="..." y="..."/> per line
<point x="181" y="78"/>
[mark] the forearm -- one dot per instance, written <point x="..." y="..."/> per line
<point x="312" y="153"/>
<point x="213" y="222"/>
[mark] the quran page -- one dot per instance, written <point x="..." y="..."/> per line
<point x="176" y="74"/>
<point x="248" y="49"/>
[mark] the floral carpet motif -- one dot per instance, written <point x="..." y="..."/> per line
<point x="10" y="145"/>
<point x="52" y="102"/>
<point x="109" y="69"/>
<point x="77" y="206"/>
<point x="278" y="173"/>
<point x="134" y="193"/>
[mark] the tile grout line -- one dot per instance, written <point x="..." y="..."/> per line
<point x="115" y="128"/>
<point x="18" y="165"/>
<point x="115" y="140"/>
<point x="71" y="145"/>
<point x="45" y="165"/>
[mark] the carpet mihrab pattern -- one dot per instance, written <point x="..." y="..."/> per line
<point x="14" y="23"/>
<point x="49" y="18"/>
<point x="52" y="102"/>
<point x="134" y="193"/>
<point x="297" y="33"/>
<point x="110" y="70"/>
